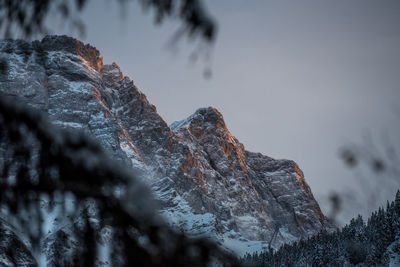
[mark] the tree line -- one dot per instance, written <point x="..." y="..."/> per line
<point x="370" y="243"/>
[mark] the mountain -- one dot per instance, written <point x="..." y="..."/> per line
<point x="206" y="182"/>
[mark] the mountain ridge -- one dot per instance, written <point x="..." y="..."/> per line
<point x="205" y="180"/>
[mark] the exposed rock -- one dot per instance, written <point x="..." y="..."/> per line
<point x="208" y="184"/>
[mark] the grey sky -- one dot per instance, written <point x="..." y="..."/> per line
<point x="293" y="79"/>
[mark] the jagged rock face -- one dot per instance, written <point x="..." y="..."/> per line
<point x="206" y="181"/>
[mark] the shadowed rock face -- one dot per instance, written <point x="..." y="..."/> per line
<point x="206" y="181"/>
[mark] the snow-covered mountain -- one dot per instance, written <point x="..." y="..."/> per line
<point x="206" y="181"/>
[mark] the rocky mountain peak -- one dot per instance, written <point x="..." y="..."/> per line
<point x="112" y="72"/>
<point x="206" y="181"/>
<point x="204" y="119"/>
<point x="73" y="46"/>
<point x="206" y="124"/>
<point x="207" y="127"/>
<point x="210" y="115"/>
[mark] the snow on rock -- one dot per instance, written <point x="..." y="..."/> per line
<point x="205" y="180"/>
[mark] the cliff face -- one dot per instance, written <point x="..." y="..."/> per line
<point x="206" y="181"/>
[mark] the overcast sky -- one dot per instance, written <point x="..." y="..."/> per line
<point x="293" y="79"/>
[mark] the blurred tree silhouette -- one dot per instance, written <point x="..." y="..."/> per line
<point x="105" y="211"/>
<point x="27" y="17"/>
<point x="377" y="174"/>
